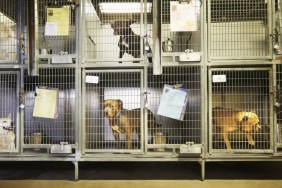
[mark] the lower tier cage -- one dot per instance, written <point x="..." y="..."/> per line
<point x="239" y="110"/>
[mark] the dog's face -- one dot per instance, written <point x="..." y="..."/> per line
<point x="5" y="32"/>
<point x="121" y="27"/>
<point x="6" y="124"/>
<point x="112" y="107"/>
<point x="249" y="119"/>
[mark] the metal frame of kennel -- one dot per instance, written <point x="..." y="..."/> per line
<point x="51" y="131"/>
<point x="240" y="30"/>
<point x="110" y="84"/>
<point x="245" y="89"/>
<point x="9" y="94"/>
<point x="81" y="44"/>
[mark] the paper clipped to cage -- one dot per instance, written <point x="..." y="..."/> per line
<point x="184" y="16"/>
<point x="45" y="105"/>
<point x="173" y="102"/>
<point x="58" y="22"/>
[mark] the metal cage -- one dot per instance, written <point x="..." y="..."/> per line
<point x="8" y="31"/>
<point x="239" y="110"/>
<point x="175" y="132"/>
<point x="9" y="111"/>
<point x="181" y="39"/>
<point x="114" y="30"/>
<point x="103" y="132"/>
<point x="59" y="38"/>
<point x="240" y="29"/>
<point x="41" y="133"/>
<point x="278" y="107"/>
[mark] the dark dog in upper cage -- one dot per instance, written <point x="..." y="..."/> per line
<point x="129" y="42"/>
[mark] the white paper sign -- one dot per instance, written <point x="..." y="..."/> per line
<point x="173" y="103"/>
<point x="50" y="29"/>
<point x="184" y="16"/>
<point x="92" y="79"/>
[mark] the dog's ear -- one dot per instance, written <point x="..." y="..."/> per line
<point x="120" y="103"/>
<point x="245" y="118"/>
<point x="130" y="22"/>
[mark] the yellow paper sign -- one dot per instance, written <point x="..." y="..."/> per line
<point x="58" y="22"/>
<point x="45" y="104"/>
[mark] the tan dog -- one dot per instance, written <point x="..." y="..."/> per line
<point x="8" y="42"/>
<point x="124" y="121"/>
<point x="230" y="120"/>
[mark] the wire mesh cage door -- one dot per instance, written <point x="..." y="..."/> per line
<point x="56" y="30"/>
<point x="239" y="108"/>
<point x="114" y="30"/>
<point x="278" y="106"/>
<point x="166" y="134"/>
<point x="239" y="29"/>
<point x="112" y="111"/>
<point x="181" y="23"/>
<point x="44" y="131"/>
<point x="9" y="111"/>
<point x="8" y="31"/>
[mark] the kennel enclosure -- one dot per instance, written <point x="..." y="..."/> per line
<point x="229" y="59"/>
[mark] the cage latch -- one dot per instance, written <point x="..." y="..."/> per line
<point x="190" y="147"/>
<point x="63" y="147"/>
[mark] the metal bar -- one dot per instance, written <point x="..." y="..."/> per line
<point x="32" y="36"/>
<point x="157" y="44"/>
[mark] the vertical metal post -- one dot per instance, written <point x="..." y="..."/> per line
<point x="32" y="23"/>
<point x="157" y="23"/>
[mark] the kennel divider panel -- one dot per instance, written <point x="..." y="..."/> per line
<point x="239" y="29"/>
<point x="177" y="132"/>
<point x="53" y="131"/>
<point x="252" y="84"/>
<point x="9" y="92"/>
<point x="123" y="84"/>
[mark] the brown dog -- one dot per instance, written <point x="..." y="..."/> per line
<point x="129" y="42"/>
<point x="230" y="120"/>
<point x="124" y="121"/>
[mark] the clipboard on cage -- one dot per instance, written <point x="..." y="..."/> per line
<point x="173" y="103"/>
<point x="46" y="102"/>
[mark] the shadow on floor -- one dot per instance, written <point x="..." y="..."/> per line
<point x="140" y="170"/>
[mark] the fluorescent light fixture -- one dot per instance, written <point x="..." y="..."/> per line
<point x="123" y="7"/>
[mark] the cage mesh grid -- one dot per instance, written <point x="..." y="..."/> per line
<point x="8" y="100"/>
<point x="99" y="132"/>
<point x="279" y="98"/>
<point x="239" y="29"/>
<point x="56" y="44"/>
<point x="243" y="91"/>
<point x="176" y="131"/>
<point x="8" y="30"/>
<point x="181" y="40"/>
<point x="51" y="131"/>
<point x="113" y="28"/>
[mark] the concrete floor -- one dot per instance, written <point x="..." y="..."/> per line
<point x="141" y="174"/>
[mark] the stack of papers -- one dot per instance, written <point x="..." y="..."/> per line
<point x="173" y="102"/>
<point x="45" y="105"/>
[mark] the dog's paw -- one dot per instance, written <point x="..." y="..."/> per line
<point x="251" y="142"/>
